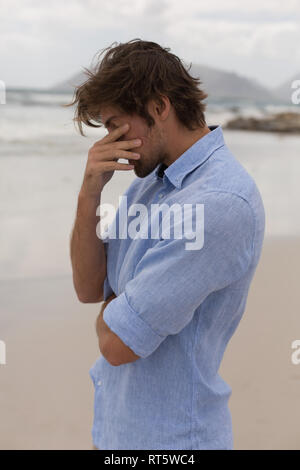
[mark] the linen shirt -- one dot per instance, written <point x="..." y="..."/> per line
<point x="178" y="308"/>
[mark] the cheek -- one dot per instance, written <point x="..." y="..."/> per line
<point x="138" y="132"/>
<point x="136" y="135"/>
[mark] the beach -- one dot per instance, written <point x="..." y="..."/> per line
<point x="46" y="394"/>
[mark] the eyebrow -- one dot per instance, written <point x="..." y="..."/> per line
<point x="108" y="120"/>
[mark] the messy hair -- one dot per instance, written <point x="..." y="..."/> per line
<point x="129" y="75"/>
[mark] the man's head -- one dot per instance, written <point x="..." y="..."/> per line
<point x="145" y="85"/>
<point x="154" y="147"/>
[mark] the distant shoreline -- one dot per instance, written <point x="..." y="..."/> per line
<point x="288" y="123"/>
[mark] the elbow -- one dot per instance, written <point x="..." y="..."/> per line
<point x="86" y="292"/>
<point x="89" y="299"/>
<point x="114" y="356"/>
<point x="106" y="353"/>
<point x="114" y="363"/>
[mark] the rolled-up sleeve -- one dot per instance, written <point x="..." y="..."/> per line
<point x="170" y="282"/>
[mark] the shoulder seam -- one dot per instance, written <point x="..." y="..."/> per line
<point x="252" y="212"/>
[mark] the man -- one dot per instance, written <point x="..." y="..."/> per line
<point x="169" y="310"/>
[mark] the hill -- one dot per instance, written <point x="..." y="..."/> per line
<point x="219" y="84"/>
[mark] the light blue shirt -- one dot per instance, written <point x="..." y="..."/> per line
<point x="177" y="308"/>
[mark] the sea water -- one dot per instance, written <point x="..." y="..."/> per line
<point x="42" y="161"/>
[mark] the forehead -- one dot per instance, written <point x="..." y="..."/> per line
<point x="108" y="112"/>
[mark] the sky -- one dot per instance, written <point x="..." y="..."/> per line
<point x="43" y="43"/>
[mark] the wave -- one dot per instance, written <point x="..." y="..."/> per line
<point x="36" y="98"/>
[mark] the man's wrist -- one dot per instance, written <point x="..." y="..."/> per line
<point x="100" y="322"/>
<point x="85" y="196"/>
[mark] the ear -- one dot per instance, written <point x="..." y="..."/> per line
<point x="160" y="107"/>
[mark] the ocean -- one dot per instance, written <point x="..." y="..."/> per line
<point x="42" y="161"/>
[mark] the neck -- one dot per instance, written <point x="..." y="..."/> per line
<point x="183" y="141"/>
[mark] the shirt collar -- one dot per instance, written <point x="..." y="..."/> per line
<point x="193" y="157"/>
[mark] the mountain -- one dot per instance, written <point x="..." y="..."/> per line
<point x="230" y="85"/>
<point x="218" y="84"/>
<point x="68" y="85"/>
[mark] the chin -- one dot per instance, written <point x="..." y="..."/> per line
<point x="143" y="170"/>
<point x="138" y="173"/>
<point x="141" y="173"/>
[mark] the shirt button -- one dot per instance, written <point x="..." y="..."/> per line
<point x="99" y="382"/>
<point x="160" y="195"/>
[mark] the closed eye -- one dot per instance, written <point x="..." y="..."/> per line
<point x="111" y="127"/>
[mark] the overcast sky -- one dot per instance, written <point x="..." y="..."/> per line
<point x="45" y="42"/>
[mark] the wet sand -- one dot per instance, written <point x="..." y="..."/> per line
<point x="46" y="394"/>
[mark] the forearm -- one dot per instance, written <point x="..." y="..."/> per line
<point x="87" y="252"/>
<point x="111" y="346"/>
<point x="102" y="329"/>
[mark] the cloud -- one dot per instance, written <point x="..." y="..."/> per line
<point x="48" y="41"/>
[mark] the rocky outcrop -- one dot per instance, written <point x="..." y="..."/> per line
<point x="281" y="122"/>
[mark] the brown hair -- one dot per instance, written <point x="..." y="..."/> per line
<point x="130" y="75"/>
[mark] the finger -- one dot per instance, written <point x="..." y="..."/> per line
<point x="124" y="144"/>
<point x="115" y="134"/>
<point x="112" y="166"/>
<point x="115" y="154"/>
<point x="112" y="296"/>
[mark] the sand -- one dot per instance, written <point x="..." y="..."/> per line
<point x="46" y="394"/>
